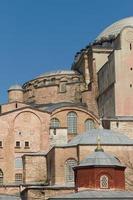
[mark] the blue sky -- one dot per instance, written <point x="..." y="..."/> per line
<point x="43" y="35"/>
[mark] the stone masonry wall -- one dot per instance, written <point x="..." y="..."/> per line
<point x="35" y="169"/>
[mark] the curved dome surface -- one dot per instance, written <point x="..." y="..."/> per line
<point x="58" y="72"/>
<point x="15" y="87"/>
<point x="116" y="27"/>
<point x="100" y="158"/>
<point x="106" y="137"/>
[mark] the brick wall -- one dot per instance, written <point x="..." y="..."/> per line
<point x="90" y="177"/>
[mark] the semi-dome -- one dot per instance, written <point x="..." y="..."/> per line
<point x="116" y="28"/>
<point x="58" y="72"/>
<point x="108" y="137"/>
<point x="100" y="158"/>
<point x="15" y="87"/>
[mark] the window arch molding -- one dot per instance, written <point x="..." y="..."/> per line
<point x="69" y="173"/>
<point x="54" y="123"/>
<point x="72" y="122"/>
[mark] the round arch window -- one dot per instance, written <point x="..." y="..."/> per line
<point x="89" y="124"/>
<point x="55" y="123"/>
<point x="72" y="122"/>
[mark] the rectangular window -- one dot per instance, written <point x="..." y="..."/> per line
<point x="18" y="178"/>
<point x="17" y="144"/>
<point x="18" y="163"/>
<point x="1" y="145"/>
<point x="27" y="145"/>
<point x="62" y="87"/>
<point x="1" y="177"/>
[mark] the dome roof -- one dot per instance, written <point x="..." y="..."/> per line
<point x="15" y="87"/>
<point x="116" y="27"/>
<point x="58" y="72"/>
<point x="100" y="158"/>
<point x="106" y="137"/>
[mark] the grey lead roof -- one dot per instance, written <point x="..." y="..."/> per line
<point x="107" y="137"/>
<point x="100" y="158"/>
<point x="119" y="118"/>
<point x="9" y="197"/>
<point x="116" y="28"/>
<point x="53" y="106"/>
<point x="97" y="194"/>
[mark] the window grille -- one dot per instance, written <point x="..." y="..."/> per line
<point x="18" y="178"/>
<point x="55" y="123"/>
<point x="72" y="122"/>
<point x="104" y="182"/>
<point x="1" y="177"/>
<point x="69" y="173"/>
<point x="89" y="124"/>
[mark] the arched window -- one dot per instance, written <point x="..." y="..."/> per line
<point x="52" y="81"/>
<point x="1" y="177"/>
<point x="72" y="122"/>
<point x="55" y="123"/>
<point x="89" y="124"/>
<point x="69" y="173"/>
<point x="104" y="182"/>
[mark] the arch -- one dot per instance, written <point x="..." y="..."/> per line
<point x="44" y="81"/>
<point x="55" y="123"/>
<point x="27" y="111"/>
<point x="64" y="108"/>
<point x="52" y="80"/>
<point x="1" y="177"/>
<point x="69" y="173"/>
<point x="27" y="127"/>
<point x="72" y="122"/>
<point x="104" y="182"/>
<point x="89" y="124"/>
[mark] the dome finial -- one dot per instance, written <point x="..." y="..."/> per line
<point x="99" y="148"/>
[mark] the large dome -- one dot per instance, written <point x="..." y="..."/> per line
<point x="116" y="27"/>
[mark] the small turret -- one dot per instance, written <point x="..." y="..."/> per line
<point x="15" y="93"/>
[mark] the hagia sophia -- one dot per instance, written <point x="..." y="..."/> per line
<point x="68" y="134"/>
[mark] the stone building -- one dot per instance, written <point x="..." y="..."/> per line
<point x="99" y="176"/>
<point x="52" y="122"/>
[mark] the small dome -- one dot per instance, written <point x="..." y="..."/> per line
<point x="106" y="137"/>
<point x="115" y="28"/>
<point x="100" y="158"/>
<point x="15" y="87"/>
